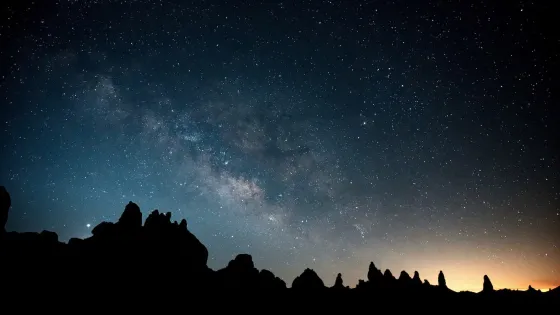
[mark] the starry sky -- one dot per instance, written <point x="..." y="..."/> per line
<point x="326" y="134"/>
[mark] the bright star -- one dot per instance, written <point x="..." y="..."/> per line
<point x="88" y="225"/>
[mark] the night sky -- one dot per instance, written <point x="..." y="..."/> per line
<point x="420" y="135"/>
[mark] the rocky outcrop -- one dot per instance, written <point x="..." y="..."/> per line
<point x="374" y="274"/>
<point x="487" y="286"/>
<point x="416" y="279"/>
<point x="5" y="204"/>
<point x="404" y="278"/>
<point x="532" y="290"/>
<point x="389" y="281"/>
<point x="268" y="281"/>
<point x="242" y="262"/>
<point x="388" y="275"/>
<point x="239" y="273"/>
<point x="338" y="283"/>
<point x="441" y="280"/>
<point x="554" y="292"/>
<point x="158" y="226"/>
<point x="308" y="280"/>
<point x="131" y="217"/>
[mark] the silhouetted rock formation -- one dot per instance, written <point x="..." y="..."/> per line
<point x="416" y="279"/>
<point x="131" y="218"/>
<point x="405" y="278"/>
<point x="158" y="226"/>
<point x="267" y="280"/>
<point x="5" y="204"/>
<point x="388" y="275"/>
<point x="441" y="280"/>
<point x="308" y="280"/>
<point x="374" y="274"/>
<point x="532" y="290"/>
<point x="241" y="273"/>
<point x="128" y="258"/>
<point x="487" y="286"/>
<point x="555" y="292"/>
<point x="338" y="283"/>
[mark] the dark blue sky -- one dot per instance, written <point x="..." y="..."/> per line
<point x="313" y="134"/>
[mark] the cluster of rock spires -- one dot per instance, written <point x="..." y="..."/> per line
<point x="135" y="254"/>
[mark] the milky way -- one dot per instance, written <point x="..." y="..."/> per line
<point x="322" y="135"/>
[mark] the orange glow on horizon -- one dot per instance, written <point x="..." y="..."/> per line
<point x="464" y="271"/>
<point x="461" y="279"/>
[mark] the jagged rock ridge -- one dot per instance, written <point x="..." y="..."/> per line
<point x="129" y="254"/>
